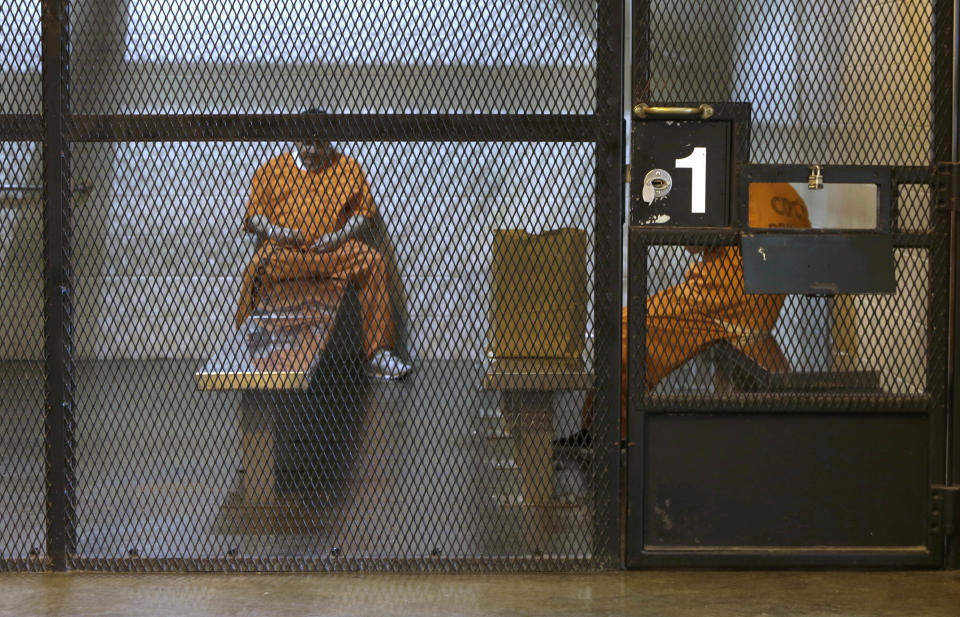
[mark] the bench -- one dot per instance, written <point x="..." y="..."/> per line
<point x="526" y="387"/>
<point x="734" y="371"/>
<point x="279" y="346"/>
<point x="274" y="360"/>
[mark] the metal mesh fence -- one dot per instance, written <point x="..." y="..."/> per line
<point x="237" y="387"/>
<point x="375" y="335"/>
<point x="842" y="84"/>
<point x="22" y="489"/>
<point x="828" y="353"/>
<point x="364" y="473"/>
<point x="20" y="58"/>
<point x="22" y="534"/>
<point x="378" y="57"/>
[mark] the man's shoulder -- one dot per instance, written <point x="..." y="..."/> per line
<point x="348" y="162"/>
<point x="278" y="161"/>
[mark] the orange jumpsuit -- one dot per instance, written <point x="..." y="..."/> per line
<point x="316" y="203"/>
<point x="710" y="305"/>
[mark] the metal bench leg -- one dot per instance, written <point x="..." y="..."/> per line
<point x="529" y="415"/>
<point x="257" y="444"/>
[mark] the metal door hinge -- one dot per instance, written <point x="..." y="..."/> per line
<point x="945" y="510"/>
<point x="948" y="187"/>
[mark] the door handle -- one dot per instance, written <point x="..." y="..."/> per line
<point x="703" y="111"/>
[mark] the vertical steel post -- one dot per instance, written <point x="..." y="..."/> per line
<point x="952" y="557"/>
<point x="944" y="104"/>
<point x="608" y="212"/>
<point x="58" y="422"/>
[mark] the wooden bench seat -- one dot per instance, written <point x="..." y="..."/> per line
<point x="537" y="374"/>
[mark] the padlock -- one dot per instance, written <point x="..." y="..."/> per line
<point x="815" y="181"/>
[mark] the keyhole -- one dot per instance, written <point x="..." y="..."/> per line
<point x="763" y="253"/>
<point x="656" y="185"/>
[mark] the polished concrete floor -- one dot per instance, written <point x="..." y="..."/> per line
<point x="660" y="594"/>
<point x="385" y="471"/>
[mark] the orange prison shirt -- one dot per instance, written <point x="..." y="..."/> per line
<point x="313" y="202"/>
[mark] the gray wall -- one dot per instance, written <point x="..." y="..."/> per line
<point x="157" y="243"/>
<point x="159" y="232"/>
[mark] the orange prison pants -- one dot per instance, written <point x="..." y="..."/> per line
<point x="707" y="307"/>
<point x="362" y="265"/>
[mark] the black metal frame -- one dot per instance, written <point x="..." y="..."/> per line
<point x="345" y="127"/>
<point x="58" y="129"/>
<point x="940" y="405"/>
<point x="952" y="558"/>
<point x="56" y="168"/>
<point x="946" y="123"/>
<point x="608" y="266"/>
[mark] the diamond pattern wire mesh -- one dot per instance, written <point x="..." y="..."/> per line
<point x="346" y="57"/>
<point x="837" y="83"/>
<point x="452" y="467"/>
<point x="913" y="208"/>
<point x="833" y="83"/>
<point x="846" y="349"/>
<point x="22" y="533"/>
<point x="20" y="57"/>
<point x="422" y="473"/>
<point x="22" y="490"/>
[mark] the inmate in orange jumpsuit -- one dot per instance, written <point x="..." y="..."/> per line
<point x="316" y="203"/>
<point x="710" y="305"/>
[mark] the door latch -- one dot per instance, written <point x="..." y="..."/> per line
<point x="948" y="187"/>
<point x="945" y="510"/>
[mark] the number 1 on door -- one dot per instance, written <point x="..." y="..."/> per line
<point x="697" y="163"/>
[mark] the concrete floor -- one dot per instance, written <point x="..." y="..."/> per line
<point x="391" y="471"/>
<point x="663" y="594"/>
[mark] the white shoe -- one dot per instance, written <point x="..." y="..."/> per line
<point x="387" y="366"/>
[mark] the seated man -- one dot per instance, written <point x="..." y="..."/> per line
<point x="307" y="208"/>
<point x="710" y="306"/>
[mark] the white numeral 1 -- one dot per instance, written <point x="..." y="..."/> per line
<point x="697" y="161"/>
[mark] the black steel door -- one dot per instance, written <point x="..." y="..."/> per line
<point x="789" y="283"/>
